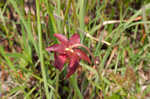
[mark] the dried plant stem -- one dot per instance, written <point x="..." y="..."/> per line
<point x="111" y="57"/>
<point x="86" y="33"/>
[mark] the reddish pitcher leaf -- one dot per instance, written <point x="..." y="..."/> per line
<point x="73" y="64"/>
<point x="75" y="39"/>
<point x="61" y="38"/>
<point x="56" y="48"/>
<point x="59" y="61"/>
<point x="82" y="55"/>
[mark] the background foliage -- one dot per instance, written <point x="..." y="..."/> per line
<point x="116" y="31"/>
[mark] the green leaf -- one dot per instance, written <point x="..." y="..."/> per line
<point x="114" y="96"/>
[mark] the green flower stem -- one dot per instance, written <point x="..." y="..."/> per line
<point x="57" y="84"/>
<point x="74" y="83"/>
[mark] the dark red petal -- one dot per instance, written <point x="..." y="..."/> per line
<point x="73" y="64"/>
<point x="56" y="48"/>
<point x="61" y="38"/>
<point x="59" y="61"/>
<point x="82" y="55"/>
<point x="74" y="39"/>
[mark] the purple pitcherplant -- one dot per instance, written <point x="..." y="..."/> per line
<point x="68" y="52"/>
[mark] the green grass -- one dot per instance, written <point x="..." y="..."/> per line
<point x="121" y="70"/>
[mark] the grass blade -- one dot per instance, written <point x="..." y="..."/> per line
<point x="41" y="49"/>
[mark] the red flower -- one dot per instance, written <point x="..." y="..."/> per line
<point x="68" y="51"/>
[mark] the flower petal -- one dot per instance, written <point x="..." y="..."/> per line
<point x="74" y="39"/>
<point x="61" y="38"/>
<point x="56" y="48"/>
<point x="82" y="55"/>
<point x="59" y="60"/>
<point x="73" y="64"/>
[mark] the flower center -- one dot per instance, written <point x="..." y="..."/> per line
<point x="69" y="49"/>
